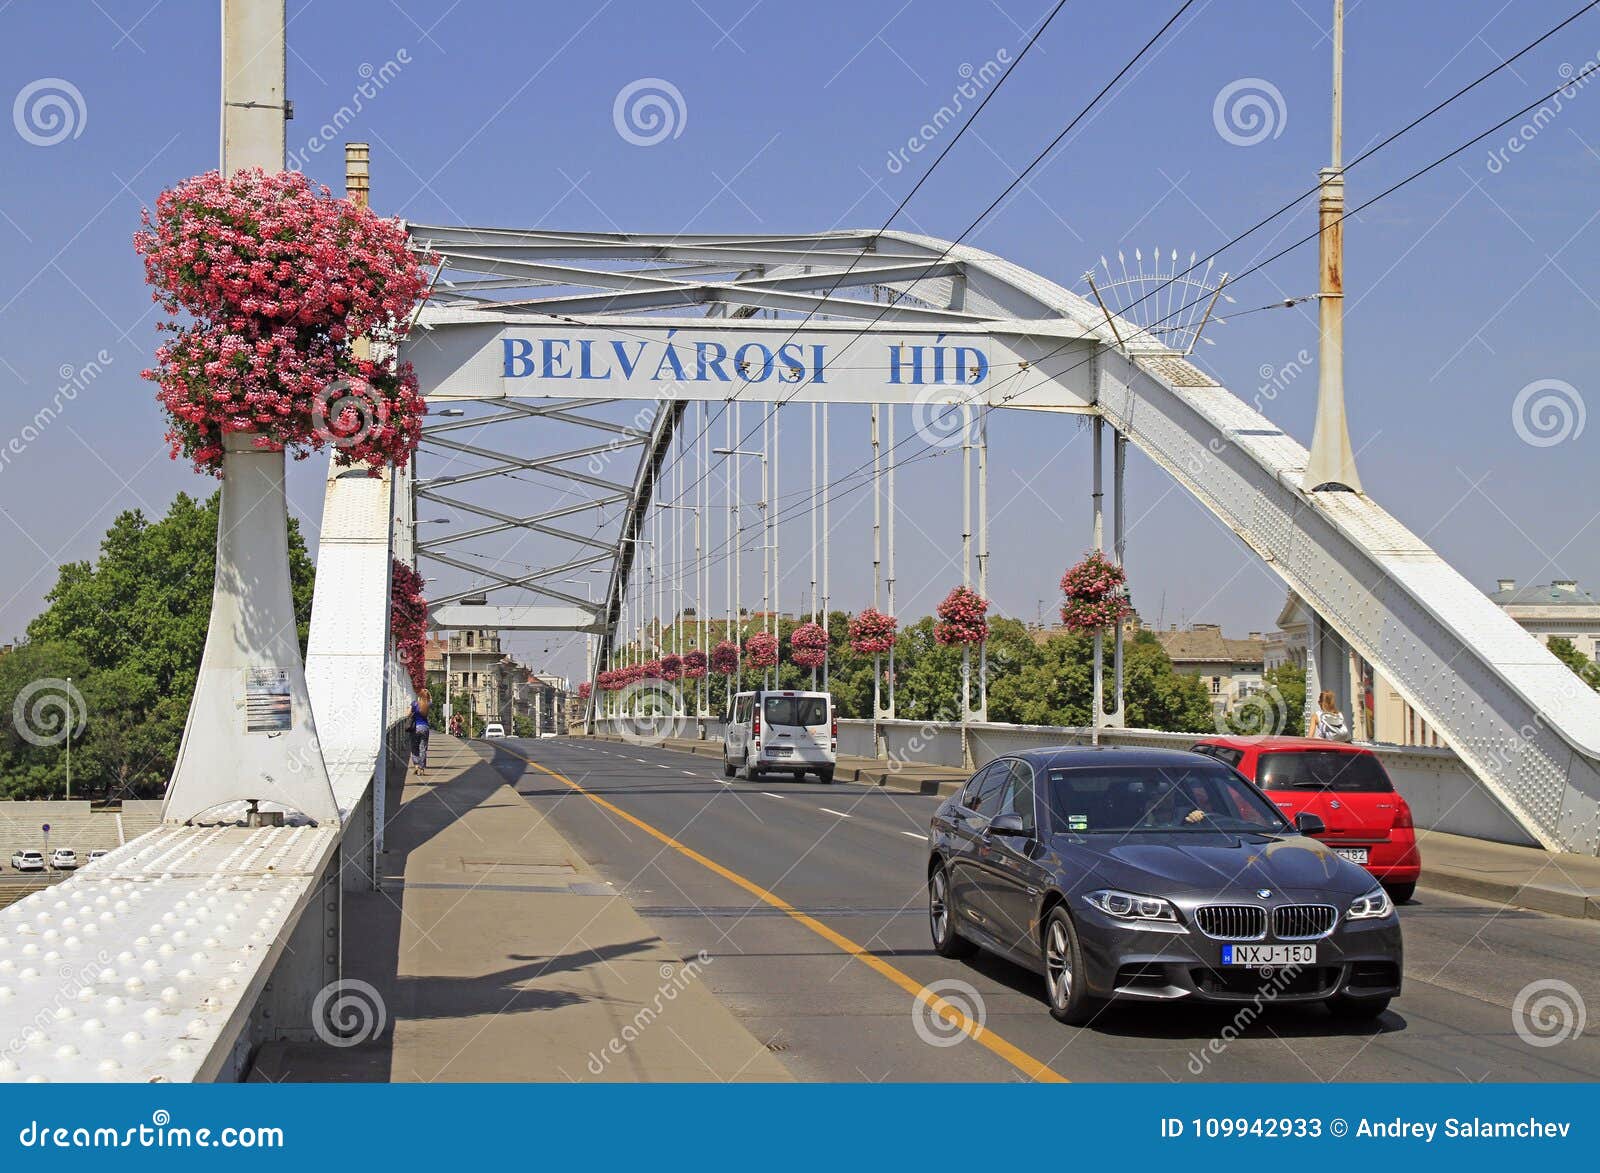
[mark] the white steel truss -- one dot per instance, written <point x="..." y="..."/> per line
<point x="561" y="324"/>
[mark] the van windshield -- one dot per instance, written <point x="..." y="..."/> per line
<point x="795" y="710"/>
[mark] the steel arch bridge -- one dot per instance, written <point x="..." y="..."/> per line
<point x="594" y="343"/>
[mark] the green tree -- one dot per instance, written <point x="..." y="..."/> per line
<point x="1567" y="652"/>
<point x="133" y="621"/>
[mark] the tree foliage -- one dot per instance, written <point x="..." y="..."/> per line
<point x="128" y="629"/>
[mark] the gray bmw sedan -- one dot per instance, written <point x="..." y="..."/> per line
<point x="1155" y="876"/>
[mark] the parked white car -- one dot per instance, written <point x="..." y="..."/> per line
<point x="494" y="729"/>
<point x="64" y="859"/>
<point x="98" y="853"/>
<point x="782" y="732"/>
<point x="28" y="861"/>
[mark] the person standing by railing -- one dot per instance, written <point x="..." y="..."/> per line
<point x="1330" y="724"/>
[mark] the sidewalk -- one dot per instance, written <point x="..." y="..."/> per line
<point x="1554" y="882"/>
<point x="1545" y="881"/>
<point x="500" y="955"/>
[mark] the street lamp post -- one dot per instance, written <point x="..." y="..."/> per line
<point x="766" y="524"/>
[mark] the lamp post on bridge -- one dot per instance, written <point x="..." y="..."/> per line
<point x="1331" y="465"/>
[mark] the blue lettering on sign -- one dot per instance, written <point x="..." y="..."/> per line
<point x="601" y="360"/>
<point x="517" y="363"/>
<point x="549" y="370"/>
<point x="947" y="365"/>
<point x="702" y="363"/>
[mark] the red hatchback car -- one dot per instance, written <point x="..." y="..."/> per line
<point x="1346" y="786"/>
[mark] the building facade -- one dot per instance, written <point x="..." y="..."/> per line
<point x="1560" y="608"/>
<point x="1229" y="668"/>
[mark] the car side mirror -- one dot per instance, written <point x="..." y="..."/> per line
<point x="1309" y="824"/>
<point x="1010" y="825"/>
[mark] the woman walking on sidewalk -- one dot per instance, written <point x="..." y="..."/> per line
<point x="419" y="731"/>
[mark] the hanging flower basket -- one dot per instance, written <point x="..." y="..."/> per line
<point x="584" y="691"/>
<point x="808" y="645"/>
<point x="408" y="622"/>
<point x="725" y="658"/>
<point x="267" y="282"/>
<point x="761" y="650"/>
<point x="872" y="632"/>
<point x="961" y="618"/>
<point x="1095" y="593"/>
<point x="694" y="665"/>
<point x="671" y="667"/>
<point x="651" y="670"/>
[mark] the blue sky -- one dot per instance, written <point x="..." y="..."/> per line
<point x="1465" y="287"/>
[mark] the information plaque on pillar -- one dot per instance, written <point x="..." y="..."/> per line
<point x="267" y="707"/>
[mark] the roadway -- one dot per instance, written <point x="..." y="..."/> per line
<point x="827" y="982"/>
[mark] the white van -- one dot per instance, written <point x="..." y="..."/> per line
<point x="494" y="729"/>
<point x="781" y="732"/>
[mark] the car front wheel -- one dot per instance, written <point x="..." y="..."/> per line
<point x="1063" y="965"/>
<point x="942" y="918"/>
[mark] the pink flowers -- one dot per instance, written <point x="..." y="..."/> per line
<point x="694" y="665"/>
<point x="872" y="632"/>
<point x="1095" y="594"/>
<point x="671" y="667"/>
<point x="725" y="658"/>
<point x="961" y="618"/>
<point x="617" y="679"/>
<point x="277" y="280"/>
<point x="761" y="650"/>
<point x="808" y="645"/>
<point x="585" y="690"/>
<point x="408" y="622"/>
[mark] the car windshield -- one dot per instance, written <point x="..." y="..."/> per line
<point x="1323" y="770"/>
<point x="1122" y="799"/>
<point x="795" y="710"/>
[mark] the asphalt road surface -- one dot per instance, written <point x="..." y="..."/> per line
<point x="830" y="985"/>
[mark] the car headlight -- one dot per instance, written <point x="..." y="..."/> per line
<point x="1129" y="906"/>
<point x="1374" y="904"/>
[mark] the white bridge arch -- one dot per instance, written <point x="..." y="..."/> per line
<point x="561" y="326"/>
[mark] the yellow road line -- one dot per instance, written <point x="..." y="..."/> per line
<point x="980" y="1034"/>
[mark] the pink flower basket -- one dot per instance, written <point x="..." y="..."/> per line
<point x="961" y="618"/>
<point x="694" y="665"/>
<point x="761" y="650"/>
<point x="267" y="282"/>
<point x="872" y="632"/>
<point x="725" y="658"/>
<point x="808" y="645"/>
<point x="1095" y="594"/>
